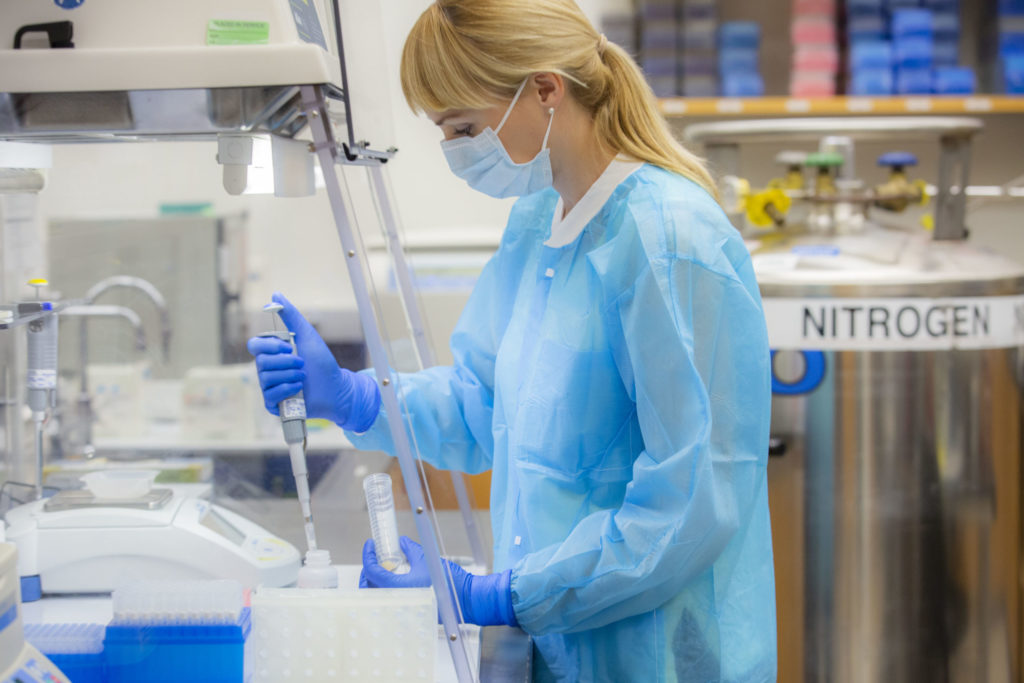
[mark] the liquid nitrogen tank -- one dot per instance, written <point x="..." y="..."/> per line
<point x="897" y="406"/>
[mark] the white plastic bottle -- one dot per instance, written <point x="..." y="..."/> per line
<point x="317" y="571"/>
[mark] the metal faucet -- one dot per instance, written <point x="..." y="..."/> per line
<point x="93" y="311"/>
<point x="147" y="288"/>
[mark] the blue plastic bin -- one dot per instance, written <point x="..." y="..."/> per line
<point x="913" y="53"/>
<point x="912" y="23"/>
<point x="870" y="54"/>
<point x="158" y="653"/>
<point x="871" y="82"/>
<point x="76" y="649"/>
<point x="913" y="81"/>
<point x="1013" y="74"/>
<point x="739" y="34"/>
<point x="742" y="85"/>
<point x="956" y="80"/>
<point x="737" y="59"/>
<point x="867" y="27"/>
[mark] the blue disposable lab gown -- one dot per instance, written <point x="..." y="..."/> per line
<point x="619" y="388"/>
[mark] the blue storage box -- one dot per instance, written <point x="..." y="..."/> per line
<point x="912" y="23"/>
<point x="76" y="649"/>
<point x="739" y="34"/>
<point x="913" y="81"/>
<point x="737" y="59"/>
<point x="699" y="35"/>
<point x="1011" y="7"/>
<point x="742" y="85"/>
<point x="956" y="80"/>
<point x="1013" y="74"/>
<point x="945" y="53"/>
<point x="899" y="4"/>
<point x="700" y="86"/>
<point x="870" y="54"/>
<point x="871" y="82"/>
<point x="861" y="7"/>
<point x="1011" y="43"/>
<point x="172" y="653"/>
<point x="946" y="25"/>
<point x="913" y="53"/>
<point x="867" y="27"/>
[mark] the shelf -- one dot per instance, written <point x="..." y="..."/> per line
<point x="816" y="106"/>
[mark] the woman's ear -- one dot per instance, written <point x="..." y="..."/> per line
<point x="550" y="88"/>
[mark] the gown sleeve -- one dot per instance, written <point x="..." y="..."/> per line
<point x="450" y="407"/>
<point x="688" y="334"/>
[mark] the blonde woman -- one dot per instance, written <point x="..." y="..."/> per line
<point x="611" y="366"/>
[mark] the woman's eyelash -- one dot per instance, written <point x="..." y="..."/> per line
<point x="464" y="130"/>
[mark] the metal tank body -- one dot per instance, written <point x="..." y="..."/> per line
<point x="896" y="504"/>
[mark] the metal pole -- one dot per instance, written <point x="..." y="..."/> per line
<point x="950" y="208"/>
<point x="407" y="291"/>
<point x="314" y="107"/>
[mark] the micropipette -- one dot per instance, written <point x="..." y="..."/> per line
<point x="292" y="411"/>
<point x="41" y="379"/>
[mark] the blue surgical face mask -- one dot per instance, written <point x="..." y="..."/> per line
<point x="483" y="162"/>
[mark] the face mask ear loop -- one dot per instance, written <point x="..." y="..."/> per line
<point x="512" y="105"/>
<point x="551" y="119"/>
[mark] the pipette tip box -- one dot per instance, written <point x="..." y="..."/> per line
<point x="175" y="652"/>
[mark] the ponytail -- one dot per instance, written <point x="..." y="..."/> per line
<point x="629" y="122"/>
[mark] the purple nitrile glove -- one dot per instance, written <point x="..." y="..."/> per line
<point x="348" y="399"/>
<point x="485" y="600"/>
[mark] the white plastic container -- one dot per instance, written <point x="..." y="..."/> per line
<point x="342" y="635"/>
<point x="317" y="570"/>
<point x="119" y="484"/>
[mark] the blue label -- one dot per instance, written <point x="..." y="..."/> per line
<point x="814" y="373"/>
<point x="308" y="23"/>
<point x="68" y="4"/>
<point x="816" y="250"/>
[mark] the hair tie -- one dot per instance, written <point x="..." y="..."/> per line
<point x="602" y="45"/>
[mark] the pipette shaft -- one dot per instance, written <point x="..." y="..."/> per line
<point x="298" y="457"/>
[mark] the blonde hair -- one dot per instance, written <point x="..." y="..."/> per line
<point x="471" y="54"/>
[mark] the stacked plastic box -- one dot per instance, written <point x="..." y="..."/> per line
<point x="659" y="45"/>
<point x="913" y="49"/>
<point x="815" y="49"/>
<point x="1011" y="47"/>
<point x="739" y="70"/>
<point x="905" y="47"/>
<point x="698" y="61"/>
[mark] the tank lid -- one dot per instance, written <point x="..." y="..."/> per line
<point x="881" y="258"/>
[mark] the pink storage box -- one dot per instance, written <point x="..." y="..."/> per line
<point x="813" y="30"/>
<point x="812" y="84"/>
<point x="823" y="58"/>
<point x="824" y="7"/>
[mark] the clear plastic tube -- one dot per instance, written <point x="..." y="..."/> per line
<point x="380" y="503"/>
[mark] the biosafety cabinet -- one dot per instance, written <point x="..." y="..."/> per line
<point x="896" y="412"/>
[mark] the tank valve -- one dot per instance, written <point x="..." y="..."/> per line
<point x="898" y="192"/>
<point x="768" y="208"/>
<point x="827" y="165"/>
<point x="794" y="162"/>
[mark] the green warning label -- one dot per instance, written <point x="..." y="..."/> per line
<point x="227" y="32"/>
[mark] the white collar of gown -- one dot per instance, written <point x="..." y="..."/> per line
<point x="565" y="230"/>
